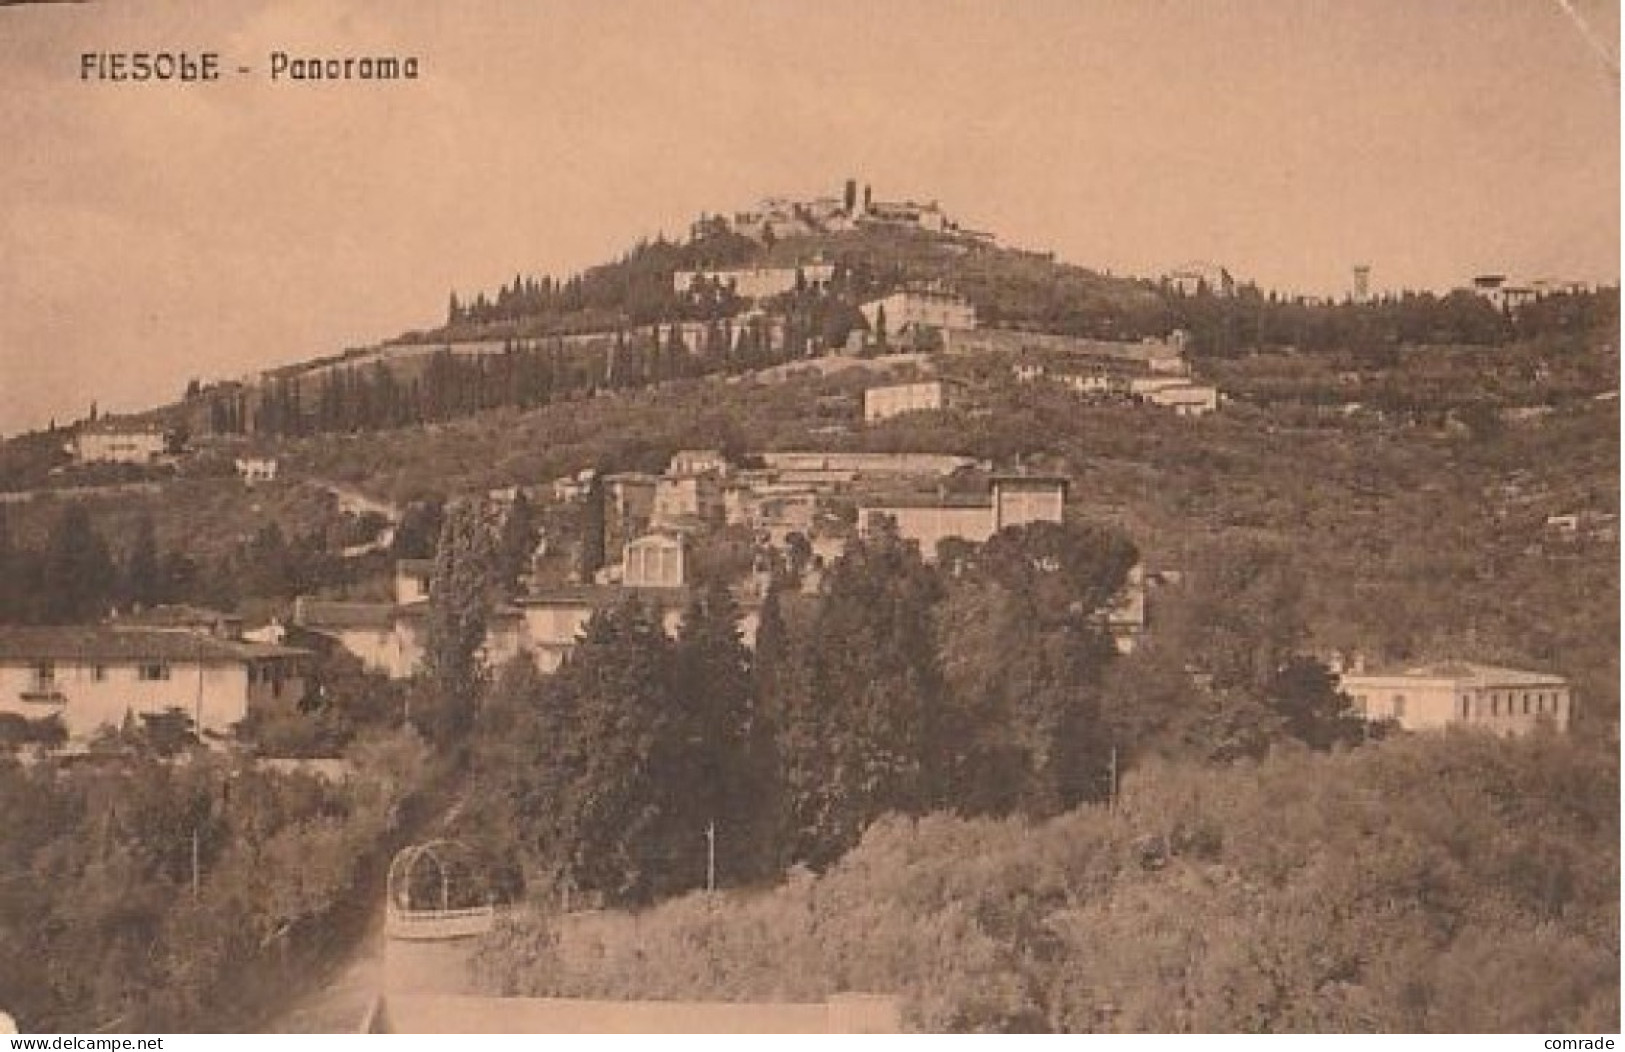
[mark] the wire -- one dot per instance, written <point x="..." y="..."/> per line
<point x="1591" y="37"/>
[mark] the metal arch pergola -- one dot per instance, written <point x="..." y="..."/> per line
<point x="405" y="864"/>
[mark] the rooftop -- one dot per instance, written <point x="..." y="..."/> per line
<point x="1468" y="673"/>
<point x="604" y="595"/>
<point x="109" y="426"/>
<point x="178" y="615"/>
<point x="926" y="500"/>
<point x="115" y="644"/>
<point x="331" y="613"/>
<point x="1008" y="477"/>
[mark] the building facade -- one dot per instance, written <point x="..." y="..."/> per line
<point x="412" y="581"/>
<point x="688" y="502"/>
<point x="929" y="519"/>
<point x="655" y="561"/>
<point x="1504" y="701"/>
<point x="254" y="470"/>
<point x="121" y="443"/>
<point x="755" y="283"/>
<point x="1045" y="353"/>
<point x="883" y="403"/>
<point x="1185" y="399"/>
<point x="918" y="309"/>
<point x="99" y="676"/>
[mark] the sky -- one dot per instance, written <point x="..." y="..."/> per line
<point x="153" y="233"/>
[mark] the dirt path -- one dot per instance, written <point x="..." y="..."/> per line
<point x="338" y="1005"/>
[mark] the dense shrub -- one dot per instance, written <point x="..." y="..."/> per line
<point x="107" y="924"/>
<point x="1382" y="889"/>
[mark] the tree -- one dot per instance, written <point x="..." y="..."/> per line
<point x="1024" y="652"/>
<point x="142" y="583"/>
<point x="10" y="592"/>
<point x="1305" y="692"/>
<point x="730" y="763"/>
<point x="1245" y="615"/>
<point x="167" y="733"/>
<point x="78" y="571"/>
<point x="591" y="555"/>
<point x="418" y="531"/>
<point x="1070" y="570"/>
<point x="609" y="810"/>
<point x="269" y="566"/>
<point x="862" y="739"/>
<point x="517" y="542"/>
<point x="462" y="593"/>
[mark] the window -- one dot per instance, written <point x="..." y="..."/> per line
<point x="1526" y="703"/>
<point x="1399" y="706"/>
<point x="153" y="671"/>
<point x="98" y="673"/>
<point x="1495" y="704"/>
<point x="42" y="676"/>
<point x="1466" y="706"/>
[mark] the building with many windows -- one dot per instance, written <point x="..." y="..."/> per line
<point x="1461" y="694"/>
<point x="122" y="442"/>
<point x="95" y="676"/>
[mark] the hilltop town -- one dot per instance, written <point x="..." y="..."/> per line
<point x="830" y="533"/>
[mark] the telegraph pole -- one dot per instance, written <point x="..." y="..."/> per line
<point x="710" y="857"/>
<point x="1111" y="789"/>
<point x="197" y="708"/>
<point x="195" y="869"/>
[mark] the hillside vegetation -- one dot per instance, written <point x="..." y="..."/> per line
<point x="1306" y="893"/>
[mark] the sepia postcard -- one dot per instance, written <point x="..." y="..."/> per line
<point x="822" y="517"/>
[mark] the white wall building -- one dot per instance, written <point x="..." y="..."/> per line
<point x="918" y="309"/>
<point x="1185" y="399"/>
<point x="882" y="403"/>
<point x="1462" y="694"/>
<point x="121" y="443"/>
<point x="756" y="283"/>
<point x="658" y="560"/>
<point x="930" y="519"/>
<point x="256" y="469"/>
<point x="96" y="676"/>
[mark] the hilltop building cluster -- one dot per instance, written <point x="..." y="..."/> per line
<point x="1153" y="372"/>
<point x="1509" y="293"/>
<point x="787" y="504"/>
<point x="779" y="217"/>
<point x="795" y="511"/>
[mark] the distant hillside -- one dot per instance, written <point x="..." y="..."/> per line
<point x="625" y="324"/>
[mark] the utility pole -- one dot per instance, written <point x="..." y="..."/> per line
<point x="195" y="868"/>
<point x="1111" y="789"/>
<point x="197" y="708"/>
<point x="710" y="857"/>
